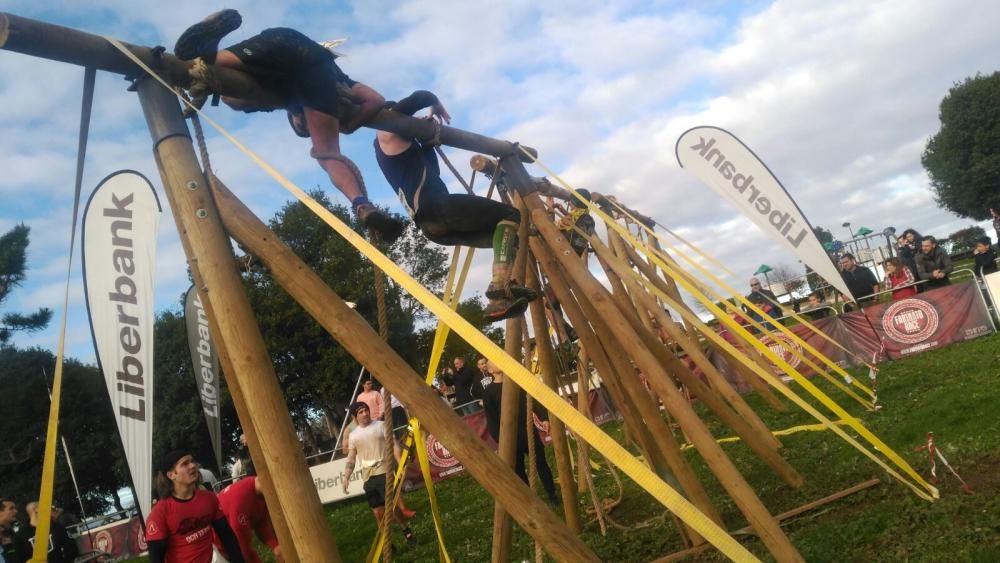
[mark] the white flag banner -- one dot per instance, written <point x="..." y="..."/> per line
<point x="119" y="260"/>
<point x="205" y="360"/>
<point x="716" y="157"/>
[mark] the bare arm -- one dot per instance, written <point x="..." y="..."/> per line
<point x="352" y="457"/>
<point x="370" y="103"/>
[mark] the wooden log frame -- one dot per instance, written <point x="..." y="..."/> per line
<point x="360" y="340"/>
<point x="547" y="366"/>
<point x="249" y="370"/>
<point x="737" y="487"/>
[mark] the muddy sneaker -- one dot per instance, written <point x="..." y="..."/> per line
<point x="510" y="290"/>
<point x="202" y="38"/>
<point x="297" y="120"/>
<point x="500" y="309"/>
<point x="389" y="227"/>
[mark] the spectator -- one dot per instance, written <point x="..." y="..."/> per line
<point x="372" y="398"/>
<point x="765" y="300"/>
<point x="491" y="405"/>
<point x="464" y="380"/>
<point x="13" y="548"/>
<point x="899" y="279"/>
<point x="859" y="279"/>
<point x="908" y="246"/>
<point x="244" y="464"/>
<point x="179" y="528"/>
<point x="933" y="263"/>
<point x="243" y="504"/>
<point x="996" y="221"/>
<point x="368" y="451"/>
<point x="815" y="308"/>
<point x="986" y="257"/>
<point x="400" y="420"/>
<point x="61" y="548"/>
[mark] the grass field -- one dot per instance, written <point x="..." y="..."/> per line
<point x="952" y="392"/>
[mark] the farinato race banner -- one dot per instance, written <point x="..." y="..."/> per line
<point x="715" y="156"/>
<point x="119" y="260"/>
<point x="205" y="360"/>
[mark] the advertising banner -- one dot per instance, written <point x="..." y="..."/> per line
<point x="720" y="160"/>
<point x="121" y="540"/>
<point x="205" y="361"/>
<point x="119" y="262"/>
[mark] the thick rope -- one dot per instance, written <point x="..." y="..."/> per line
<point x="532" y="470"/>
<point x="383" y="331"/>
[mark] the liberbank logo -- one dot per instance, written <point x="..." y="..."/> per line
<point x="742" y="184"/>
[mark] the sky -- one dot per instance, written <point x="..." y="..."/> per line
<point x="838" y="98"/>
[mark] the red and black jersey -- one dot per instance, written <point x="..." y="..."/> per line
<point x="246" y="513"/>
<point x="186" y="526"/>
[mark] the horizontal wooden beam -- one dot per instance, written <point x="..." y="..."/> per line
<point x="55" y="42"/>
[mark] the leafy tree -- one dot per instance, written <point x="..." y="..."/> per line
<point x="13" y="259"/>
<point x="86" y="423"/>
<point x="822" y="234"/>
<point x="963" y="158"/>
<point x="473" y="310"/>
<point x="965" y="239"/>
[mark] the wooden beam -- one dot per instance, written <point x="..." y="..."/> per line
<point x="63" y="44"/>
<point x="361" y="341"/>
<point x="251" y="370"/>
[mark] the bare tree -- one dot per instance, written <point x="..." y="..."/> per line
<point x="790" y="279"/>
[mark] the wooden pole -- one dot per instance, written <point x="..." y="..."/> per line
<point x="741" y="492"/>
<point x="239" y="338"/>
<point x="510" y="401"/>
<point x="611" y="363"/>
<point x="546" y="361"/>
<point x="360" y="340"/>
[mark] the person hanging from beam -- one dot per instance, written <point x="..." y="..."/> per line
<point x="411" y="168"/>
<point x="367" y="450"/>
<point x="319" y="96"/>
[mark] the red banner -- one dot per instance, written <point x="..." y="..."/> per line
<point x="892" y="330"/>
<point x="121" y="540"/>
<point x="444" y="465"/>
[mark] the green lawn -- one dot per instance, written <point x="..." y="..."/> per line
<point x="952" y="392"/>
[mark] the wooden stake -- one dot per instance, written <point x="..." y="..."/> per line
<point x="741" y="492"/>
<point x="546" y="362"/>
<point x="239" y="338"/>
<point x="358" y="339"/>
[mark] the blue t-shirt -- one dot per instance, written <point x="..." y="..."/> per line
<point x="414" y="174"/>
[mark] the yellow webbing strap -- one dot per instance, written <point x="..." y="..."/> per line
<point x="40" y="551"/>
<point x="743" y="300"/>
<point x="713" y="260"/>
<point x="785" y="432"/>
<point x="556" y="406"/>
<point x="416" y="436"/>
<point x="718" y="298"/>
<point x="765" y="374"/>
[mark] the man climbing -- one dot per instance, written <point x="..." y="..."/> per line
<point x="576" y="223"/>
<point x="411" y="168"/>
<point x="317" y="93"/>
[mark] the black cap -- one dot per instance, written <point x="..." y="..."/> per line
<point x="170" y="459"/>
<point x="358" y="405"/>
<point x="585" y="194"/>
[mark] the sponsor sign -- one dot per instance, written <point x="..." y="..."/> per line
<point x="119" y="261"/>
<point x="205" y="361"/>
<point x="329" y="478"/>
<point x="720" y="160"/>
<point x="121" y="540"/>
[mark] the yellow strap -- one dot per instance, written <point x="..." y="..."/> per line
<point x="785" y="432"/>
<point x="556" y="406"/>
<point x="743" y="300"/>
<point x="765" y="374"/>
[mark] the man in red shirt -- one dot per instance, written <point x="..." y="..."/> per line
<point x="179" y="528"/>
<point x="245" y="510"/>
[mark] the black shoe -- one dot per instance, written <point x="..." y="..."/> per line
<point x="500" y="309"/>
<point x="297" y="120"/>
<point x="390" y="228"/>
<point x="202" y="39"/>
<point x="510" y="290"/>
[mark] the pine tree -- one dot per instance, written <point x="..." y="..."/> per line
<point x="13" y="259"/>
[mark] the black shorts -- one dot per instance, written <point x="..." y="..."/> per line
<point x="295" y="66"/>
<point x="462" y="219"/>
<point x="375" y="490"/>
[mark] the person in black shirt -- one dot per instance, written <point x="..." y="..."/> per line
<point x="859" y="279"/>
<point x="464" y="381"/>
<point x="986" y="257"/>
<point x="62" y="549"/>
<point x="491" y="398"/>
<point x="13" y="547"/>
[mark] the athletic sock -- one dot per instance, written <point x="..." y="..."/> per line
<point x="359" y="201"/>
<point x="504" y="250"/>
